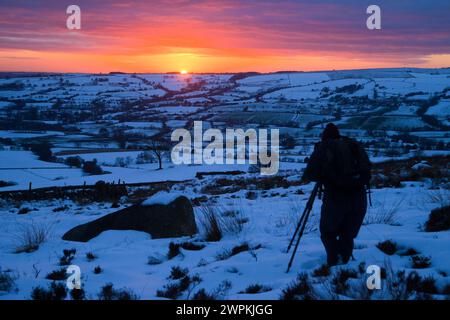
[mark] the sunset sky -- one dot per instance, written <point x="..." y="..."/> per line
<point x="222" y="36"/>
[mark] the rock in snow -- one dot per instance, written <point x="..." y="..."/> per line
<point x="161" y="197"/>
<point x="174" y="219"/>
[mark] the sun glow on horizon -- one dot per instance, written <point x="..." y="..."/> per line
<point x="183" y="71"/>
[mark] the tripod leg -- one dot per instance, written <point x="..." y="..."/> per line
<point x="298" y="239"/>
<point x="308" y="204"/>
<point x="296" y="230"/>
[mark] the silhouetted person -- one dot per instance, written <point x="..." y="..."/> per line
<point x="342" y="166"/>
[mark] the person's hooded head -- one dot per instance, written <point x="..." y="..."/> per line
<point x="330" y="132"/>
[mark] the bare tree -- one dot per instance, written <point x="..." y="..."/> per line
<point x="158" y="148"/>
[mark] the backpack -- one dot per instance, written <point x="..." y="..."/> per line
<point x="345" y="164"/>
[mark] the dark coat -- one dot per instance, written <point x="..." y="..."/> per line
<point x="343" y="210"/>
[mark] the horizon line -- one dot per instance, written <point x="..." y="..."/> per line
<point x="230" y="72"/>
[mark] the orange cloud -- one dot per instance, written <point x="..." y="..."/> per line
<point x="220" y="36"/>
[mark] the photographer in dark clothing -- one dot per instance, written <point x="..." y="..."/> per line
<point x="342" y="167"/>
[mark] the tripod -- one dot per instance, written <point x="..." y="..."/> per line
<point x="302" y="224"/>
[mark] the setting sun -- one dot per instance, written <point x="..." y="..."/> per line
<point x="183" y="72"/>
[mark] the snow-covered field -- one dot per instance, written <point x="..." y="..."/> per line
<point x="116" y="119"/>
<point x="123" y="255"/>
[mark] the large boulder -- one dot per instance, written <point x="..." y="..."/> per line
<point x="163" y="219"/>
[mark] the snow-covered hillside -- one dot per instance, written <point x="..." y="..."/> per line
<point x="66" y="136"/>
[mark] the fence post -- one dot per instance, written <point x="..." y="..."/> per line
<point x="29" y="191"/>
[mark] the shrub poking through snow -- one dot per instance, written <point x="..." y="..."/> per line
<point x="90" y="256"/>
<point x="300" y="289"/>
<point x="420" y="262"/>
<point x="408" y="252"/>
<point x="427" y="285"/>
<point x="31" y="236"/>
<point x="67" y="257"/>
<point x="7" y="281"/>
<point x="256" y="288"/>
<point x="322" y="271"/>
<point x="109" y="293"/>
<point x="219" y="293"/>
<point x="399" y="285"/>
<point x="211" y="223"/>
<point x="240" y="248"/>
<point x="59" y="274"/>
<point x="389" y="247"/>
<point x="181" y="281"/>
<point x="77" y="294"/>
<point x="203" y="295"/>
<point x="396" y="284"/>
<point x="438" y="220"/>
<point x="416" y="284"/>
<point x="243" y="247"/>
<point x="222" y="289"/>
<point x="403" y="287"/>
<point x="171" y="291"/>
<point x="55" y="291"/>
<point x="178" y="273"/>
<point x="339" y="281"/>
<point x="98" y="270"/>
<point x="174" y="250"/>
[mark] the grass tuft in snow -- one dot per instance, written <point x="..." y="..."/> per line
<point x="55" y="291"/>
<point x="402" y="286"/>
<point x="339" y="281"/>
<point x="243" y="247"/>
<point x="177" y="273"/>
<point x="439" y="196"/>
<point x="300" y="289"/>
<point x="109" y="293"/>
<point x="203" y="295"/>
<point x="256" y="288"/>
<point x="181" y="282"/>
<point x="322" y="271"/>
<point x="30" y="237"/>
<point x="234" y="220"/>
<point x="219" y="293"/>
<point x="211" y="223"/>
<point x="427" y="285"/>
<point x="384" y="214"/>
